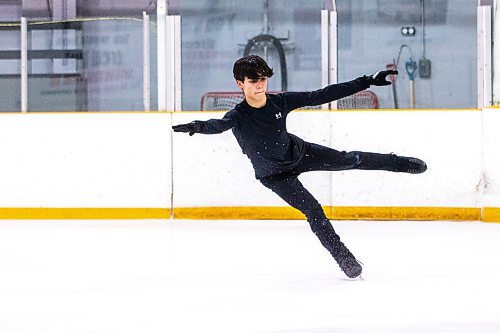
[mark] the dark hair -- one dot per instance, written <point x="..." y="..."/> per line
<point x="251" y="66"/>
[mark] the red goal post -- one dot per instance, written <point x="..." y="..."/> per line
<point x="226" y="100"/>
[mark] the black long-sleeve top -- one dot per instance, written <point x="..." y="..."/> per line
<point x="261" y="132"/>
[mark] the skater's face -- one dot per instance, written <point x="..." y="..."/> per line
<point x="254" y="89"/>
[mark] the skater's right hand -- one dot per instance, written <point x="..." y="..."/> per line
<point x="191" y="128"/>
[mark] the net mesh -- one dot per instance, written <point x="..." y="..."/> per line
<point x="220" y="100"/>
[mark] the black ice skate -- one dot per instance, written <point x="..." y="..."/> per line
<point x="347" y="262"/>
<point x="409" y="164"/>
<point x="331" y="241"/>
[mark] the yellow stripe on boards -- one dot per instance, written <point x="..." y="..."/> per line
<point x="338" y="213"/>
<point x="491" y="214"/>
<point x="406" y="213"/>
<point x="83" y="213"/>
<point x="488" y="214"/>
<point x="238" y="213"/>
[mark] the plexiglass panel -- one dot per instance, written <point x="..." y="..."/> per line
<point x="444" y="75"/>
<point x="84" y="64"/>
<point x="433" y="43"/>
<point x="216" y="33"/>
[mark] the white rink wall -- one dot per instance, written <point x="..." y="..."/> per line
<point x="209" y="170"/>
<point x="85" y="160"/>
<point x="132" y="160"/>
<point x="491" y="157"/>
<point x="443" y="139"/>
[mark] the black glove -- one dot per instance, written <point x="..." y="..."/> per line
<point x="380" y="78"/>
<point x="191" y="128"/>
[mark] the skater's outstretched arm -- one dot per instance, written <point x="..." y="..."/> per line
<point x="334" y="92"/>
<point x="212" y="126"/>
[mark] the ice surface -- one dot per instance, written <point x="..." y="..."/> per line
<point x="246" y="277"/>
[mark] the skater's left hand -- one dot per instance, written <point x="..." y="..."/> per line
<point x="380" y="78"/>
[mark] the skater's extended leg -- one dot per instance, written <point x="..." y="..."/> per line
<point x="318" y="158"/>
<point x="290" y="189"/>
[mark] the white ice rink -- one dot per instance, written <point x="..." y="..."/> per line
<point x="246" y="277"/>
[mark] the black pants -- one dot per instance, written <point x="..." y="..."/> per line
<point x="319" y="158"/>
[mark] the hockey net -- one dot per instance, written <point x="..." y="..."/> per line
<point x="226" y="100"/>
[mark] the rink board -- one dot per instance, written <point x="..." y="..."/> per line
<point x="130" y="165"/>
